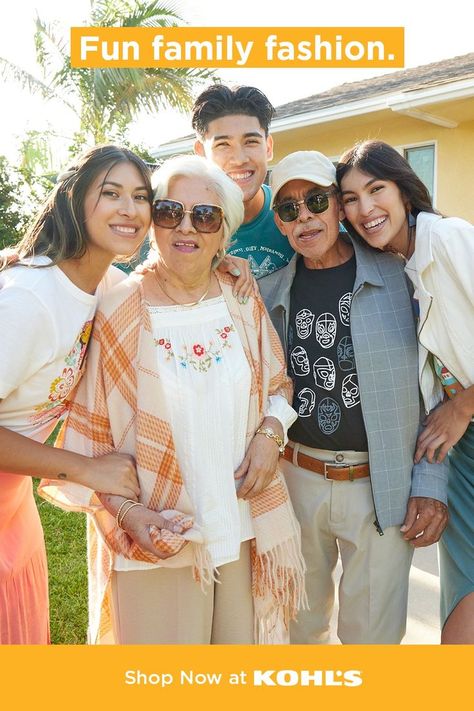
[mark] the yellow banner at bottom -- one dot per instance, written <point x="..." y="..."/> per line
<point x="148" y="677"/>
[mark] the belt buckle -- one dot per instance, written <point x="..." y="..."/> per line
<point x="337" y="465"/>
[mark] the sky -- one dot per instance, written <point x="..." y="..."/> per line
<point x="430" y="35"/>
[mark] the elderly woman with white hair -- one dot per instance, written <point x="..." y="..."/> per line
<point x="193" y="384"/>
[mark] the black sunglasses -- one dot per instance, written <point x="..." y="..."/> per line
<point x="315" y="201"/>
<point x="204" y="218"/>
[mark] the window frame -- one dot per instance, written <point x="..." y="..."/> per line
<point x="401" y="148"/>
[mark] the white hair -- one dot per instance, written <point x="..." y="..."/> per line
<point x="229" y="195"/>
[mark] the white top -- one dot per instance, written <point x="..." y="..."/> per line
<point x="442" y="272"/>
<point x="206" y="380"/>
<point x="45" y="322"/>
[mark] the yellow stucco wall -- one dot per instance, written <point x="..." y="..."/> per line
<point x="454" y="152"/>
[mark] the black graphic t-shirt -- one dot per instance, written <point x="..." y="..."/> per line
<point x="321" y="359"/>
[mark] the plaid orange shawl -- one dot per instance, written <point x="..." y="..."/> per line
<point x="119" y="407"/>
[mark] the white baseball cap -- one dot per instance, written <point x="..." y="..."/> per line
<point x="302" y="165"/>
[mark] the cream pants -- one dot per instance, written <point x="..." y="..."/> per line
<point x="166" y="606"/>
<point x="336" y="518"/>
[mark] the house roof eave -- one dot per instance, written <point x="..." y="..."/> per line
<point x="401" y="102"/>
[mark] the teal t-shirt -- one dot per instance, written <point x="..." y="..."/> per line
<point x="261" y="242"/>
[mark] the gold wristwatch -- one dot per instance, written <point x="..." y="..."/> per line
<point x="268" y="432"/>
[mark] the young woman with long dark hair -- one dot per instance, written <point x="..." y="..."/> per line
<point x="390" y="208"/>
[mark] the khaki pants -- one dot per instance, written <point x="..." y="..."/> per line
<point x="166" y="606"/>
<point x="336" y="518"/>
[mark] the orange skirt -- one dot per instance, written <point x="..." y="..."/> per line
<point x="24" y="605"/>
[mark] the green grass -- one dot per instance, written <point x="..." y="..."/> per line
<point x="65" y="535"/>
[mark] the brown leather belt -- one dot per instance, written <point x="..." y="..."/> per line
<point x="335" y="472"/>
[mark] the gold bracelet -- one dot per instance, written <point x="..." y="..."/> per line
<point x="135" y="503"/>
<point x="271" y="434"/>
<point x="117" y="515"/>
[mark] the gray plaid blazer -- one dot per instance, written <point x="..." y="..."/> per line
<point x="385" y="346"/>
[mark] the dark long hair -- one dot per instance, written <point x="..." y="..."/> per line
<point x="59" y="231"/>
<point x="381" y="161"/>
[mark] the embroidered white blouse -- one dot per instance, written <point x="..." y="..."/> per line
<point x="206" y="379"/>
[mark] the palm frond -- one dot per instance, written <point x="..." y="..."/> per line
<point x="152" y="14"/>
<point x="57" y="43"/>
<point x="12" y="72"/>
<point x="122" y="13"/>
<point x="126" y="13"/>
<point x="153" y="97"/>
<point x="105" y="13"/>
<point x="146" y="89"/>
<point x="108" y="100"/>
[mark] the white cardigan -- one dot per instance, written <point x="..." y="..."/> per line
<point x="442" y="271"/>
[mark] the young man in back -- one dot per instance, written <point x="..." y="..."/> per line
<point x="232" y="131"/>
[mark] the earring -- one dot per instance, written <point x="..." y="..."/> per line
<point x="411" y="219"/>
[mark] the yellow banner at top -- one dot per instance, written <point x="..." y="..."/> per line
<point x="237" y="47"/>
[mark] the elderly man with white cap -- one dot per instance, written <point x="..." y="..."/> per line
<point x="344" y="314"/>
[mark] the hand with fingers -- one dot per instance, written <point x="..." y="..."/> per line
<point x="112" y="474"/>
<point x="9" y="256"/>
<point x="425" y="521"/>
<point x="148" y="264"/>
<point x="443" y="427"/>
<point x="147" y="527"/>
<point x="260" y="462"/>
<point x="141" y="523"/>
<point x="239" y="268"/>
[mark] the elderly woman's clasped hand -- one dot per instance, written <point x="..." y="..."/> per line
<point x="137" y="522"/>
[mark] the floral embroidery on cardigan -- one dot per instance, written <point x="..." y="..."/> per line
<point x="199" y="356"/>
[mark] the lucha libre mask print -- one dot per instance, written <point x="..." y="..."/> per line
<point x="326" y="330"/>
<point x="345" y="308"/>
<point x="299" y="361"/>
<point x="345" y="354"/>
<point x="324" y="373"/>
<point x="329" y="415"/>
<point x="350" y="390"/>
<point x="307" y="399"/>
<point x="304" y="323"/>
